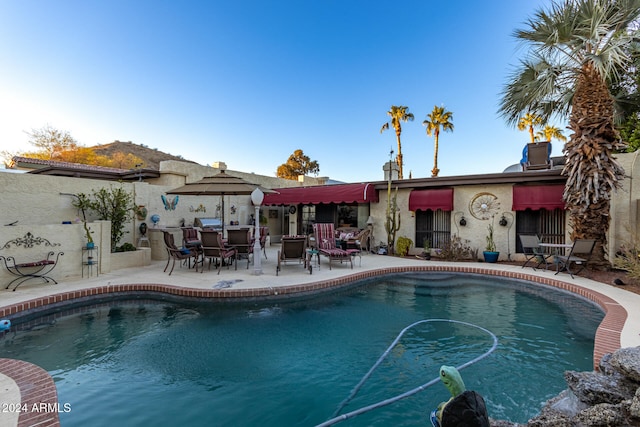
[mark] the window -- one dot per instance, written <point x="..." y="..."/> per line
<point x="434" y="226"/>
<point x="548" y="224"/>
<point x="308" y="218"/>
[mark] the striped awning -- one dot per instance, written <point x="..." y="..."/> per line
<point x="313" y="195"/>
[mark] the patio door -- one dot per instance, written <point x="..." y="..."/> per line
<point x="548" y="224"/>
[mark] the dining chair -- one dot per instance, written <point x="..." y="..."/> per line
<point x="582" y="247"/>
<point x="532" y="251"/>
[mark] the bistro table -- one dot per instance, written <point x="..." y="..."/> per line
<point x="557" y="249"/>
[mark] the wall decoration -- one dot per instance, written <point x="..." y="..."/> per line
<point x="170" y="205"/>
<point x="484" y="206"/>
<point x="141" y="212"/>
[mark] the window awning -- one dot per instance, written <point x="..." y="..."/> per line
<point x="536" y="197"/>
<point x="338" y="193"/>
<point x="435" y="199"/>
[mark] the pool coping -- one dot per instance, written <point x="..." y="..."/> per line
<point x="607" y="338"/>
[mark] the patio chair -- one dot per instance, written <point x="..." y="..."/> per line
<point x="241" y="240"/>
<point x="583" y="247"/>
<point x="538" y="156"/>
<point x="326" y="244"/>
<point x="354" y="245"/>
<point x="174" y="253"/>
<point x="293" y="249"/>
<point x="532" y="251"/>
<point x="214" y="248"/>
<point x="191" y="240"/>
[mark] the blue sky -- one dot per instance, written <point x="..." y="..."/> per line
<point x="249" y="82"/>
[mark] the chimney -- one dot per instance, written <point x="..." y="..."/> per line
<point x="394" y="170"/>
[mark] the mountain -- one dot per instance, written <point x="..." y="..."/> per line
<point x="151" y="157"/>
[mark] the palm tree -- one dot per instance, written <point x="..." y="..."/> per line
<point x="435" y="120"/>
<point x="529" y="121"/>
<point x="577" y="48"/>
<point x="549" y="132"/>
<point x="398" y="114"/>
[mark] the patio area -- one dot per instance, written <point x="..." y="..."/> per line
<point x="294" y="279"/>
<point x="620" y="327"/>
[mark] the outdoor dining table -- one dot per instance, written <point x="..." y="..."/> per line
<point x="557" y="249"/>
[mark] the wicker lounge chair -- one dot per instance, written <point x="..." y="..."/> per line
<point x="326" y="244"/>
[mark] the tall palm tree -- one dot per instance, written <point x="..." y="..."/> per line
<point x="398" y="114"/>
<point x="438" y="118"/>
<point x="529" y="121"/>
<point x="576" y="48"/>
<point x="549" y="132"/>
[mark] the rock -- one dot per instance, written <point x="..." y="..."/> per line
<point x="608" y="397"/>
<point x="502" y="423"/>
<point x="627" y="362"/>
<point x="602" y="414"/>
<point x="593" y="387"/>
<point x="634" y="408"/>
<point x="550" y="419"/>
<point x="567" y="403"/>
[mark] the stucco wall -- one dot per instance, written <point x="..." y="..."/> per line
<point x="475" y="230"/>
<point x="624" y="205"/>
<point x="44" y="201"/>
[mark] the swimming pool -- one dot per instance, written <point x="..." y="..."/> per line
<point x="170" y="363"/>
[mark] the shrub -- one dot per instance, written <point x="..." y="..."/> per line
<point x="455" y="249"/>
<point x="127" y="247"/>
<point x="628" y="257"/>
<point x="403" y="244"/>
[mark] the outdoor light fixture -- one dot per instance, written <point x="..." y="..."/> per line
<point x="463" y="221"/>
<point x="503" y="221"/>
<point x="257" y="196"/>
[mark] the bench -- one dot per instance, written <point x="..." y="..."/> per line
<point x="32" y="269"/>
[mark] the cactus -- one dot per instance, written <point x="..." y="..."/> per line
<point x="392" y="222"/>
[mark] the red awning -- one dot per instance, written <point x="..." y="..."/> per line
<point x="537" y="197"/>
<point x="339" y="193"/>
<point x="431" y="199"/>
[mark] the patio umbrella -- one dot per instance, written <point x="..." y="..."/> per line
<point x="220" y="184"/>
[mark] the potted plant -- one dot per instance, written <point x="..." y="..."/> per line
<point x="83" y="203"/>
<point x="427" y="249"/>
<point x="490" y="253"/>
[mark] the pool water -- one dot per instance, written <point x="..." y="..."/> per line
<point x="141" y="362"/>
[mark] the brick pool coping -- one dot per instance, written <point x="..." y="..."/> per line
<point x="34" y="387"/>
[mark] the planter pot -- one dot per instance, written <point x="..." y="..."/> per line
<point x="90" y="245"/>
<point x="490" y="256"/>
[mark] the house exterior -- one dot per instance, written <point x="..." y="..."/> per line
<point x="40" y="201"/>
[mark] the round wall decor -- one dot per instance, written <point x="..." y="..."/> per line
<point x="484" y="206"/>
<point x="292" y="209"/>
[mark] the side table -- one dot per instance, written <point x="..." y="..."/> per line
<point x="310" y="253"/>
<point x="90" y="260"/>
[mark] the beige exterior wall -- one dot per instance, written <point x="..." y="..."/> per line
<point x="624" y="205"/>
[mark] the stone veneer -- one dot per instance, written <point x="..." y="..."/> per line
<point x="607" y="338"/>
